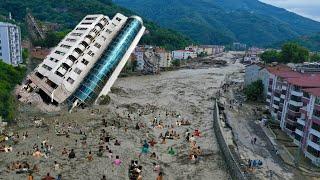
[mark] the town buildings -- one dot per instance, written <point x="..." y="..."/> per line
<point x="205" y="49"/>
<point x="10" y="44"/>
<point x="293" y="98"/>
<point x="85" y="64"/>
<point x="183" y="54"/>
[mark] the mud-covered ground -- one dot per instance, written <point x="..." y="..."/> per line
<point x="187" y="92"/>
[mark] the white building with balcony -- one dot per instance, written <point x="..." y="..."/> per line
<point x="10" y="44"/>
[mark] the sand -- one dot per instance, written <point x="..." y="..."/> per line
<point x="187" y="92"/>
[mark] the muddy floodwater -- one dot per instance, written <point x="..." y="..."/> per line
<point x="185" y="92"/>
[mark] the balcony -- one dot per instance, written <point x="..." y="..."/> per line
<point x="295" y="103"/>
<point x="293" y="113"/>
<point x="61" y="70"/>
<point x="283" y="96"/>
<point x="296" y="93"/>
<point x="301" y="121"/>
<point x="275" y="106"/>
<point x="268" y="100"/>
<point x="276" y="98"/>
<point x="315" y="132"/>
<point x="314" y="145"/>
<point x="299" y="132"/>
<point x="69" y="62"/>
<point x="284" y="87"/>
<point x="269" y="93"/>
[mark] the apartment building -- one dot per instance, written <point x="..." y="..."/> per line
<point x="165" y="59"/>
<point x="255" y="72"/>
<point x="307" y="133"/>
<point x="85" y="64"/>
<point x="293" y="100"/>
<point x="183" y="54"/>
<point x="10" y="44"/>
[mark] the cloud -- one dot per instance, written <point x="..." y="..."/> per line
<point x="306" y="8"/>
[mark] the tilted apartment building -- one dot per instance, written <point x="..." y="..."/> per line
<point x="293" y="99"/>
<point x="86" y="63"/>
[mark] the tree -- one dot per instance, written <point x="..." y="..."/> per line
<point x="176" y="63"/>
<point x="254" y="92"/>
<point x="270" y="56"/>
<point x="315" y="57"/>
<point x="292" y="52"/>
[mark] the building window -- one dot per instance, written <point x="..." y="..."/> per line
<point x="76" y="34"/>
<point x="85" y="62"/>
<point x="71" y="40"/>
<point x="39" y="75"/>
<point x="81" y="28"/>
<point x="77" y="70"/>
<point x="65" y="46"/>
<point x="118" y="19"/>
<point x="70" y="80"/>
<point x="91" y="18"/>
<point x="108" y="31"/>
<point x="46" y="67"/>
<point x="53" y="59"/>
<point x="97" y="45"/>
<point x="86" y="23"/>
<point x="60" y="53"/>
<point x="90" y="53"/>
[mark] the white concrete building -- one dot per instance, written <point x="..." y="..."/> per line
<point x="92" y="54"/>
<point x="10" y="44"/>
<point x="183" y="54"/>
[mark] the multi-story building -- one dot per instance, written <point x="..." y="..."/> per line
<point x="255" y="72"/>
<point x="183" y="54"/>
<point x="293" y="100"/>
<point x="165" y="59"/>
<point x="10" y="44"/>
<point x="307" y="133"/>
<point x="85" y="64"/>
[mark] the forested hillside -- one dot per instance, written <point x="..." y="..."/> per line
<point x="312" y="42"/>
<point x="225" y="21"/>
<point x="69" y="12"/>
<point x="9" y="77"/>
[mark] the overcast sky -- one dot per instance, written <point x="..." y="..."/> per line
<point x="307" y="8"/>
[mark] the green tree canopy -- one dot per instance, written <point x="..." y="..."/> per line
<point x="315" y="57"/>
<point x="270" y="56"/>
<point x="9" y="77"/>
<point x="294" y="53"/>
<point x="254" y="92"/>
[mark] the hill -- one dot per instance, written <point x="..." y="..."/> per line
<point x="225" y="21"/>
<point x="69" y="12"/>
<point x="312" y="42"/>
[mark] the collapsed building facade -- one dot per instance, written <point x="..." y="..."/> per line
<point x="86" y="63"/>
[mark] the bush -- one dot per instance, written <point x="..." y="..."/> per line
<point x="254" y="92"/>
<point x="176" y="63"/>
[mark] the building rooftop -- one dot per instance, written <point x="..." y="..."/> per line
<point x="283" y="71"/>
<point x="310" y="81"/>
<point x="313" y="91"/>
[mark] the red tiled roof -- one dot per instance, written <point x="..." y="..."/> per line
<point x="313" y="91"/>
<point x="283" y="71"/>
<point x="305" y="80"/>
